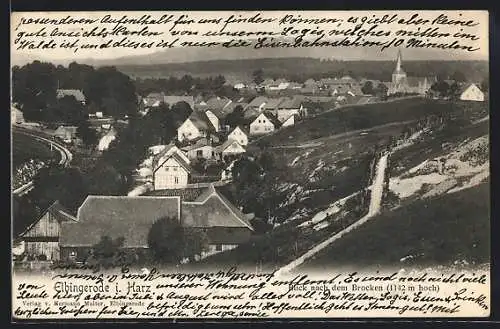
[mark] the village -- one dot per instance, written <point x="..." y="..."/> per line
<point x="181" y="178"/>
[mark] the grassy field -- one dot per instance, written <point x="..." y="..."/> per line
<point x="367" y="116"/>
<point x="439" y="231"/>
<point x="25" y="148"/>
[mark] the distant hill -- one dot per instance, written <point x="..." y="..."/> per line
<point x="241" y="69"/>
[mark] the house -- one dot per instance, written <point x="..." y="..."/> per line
<point x="16" y="116"/>
<point x="171" y="172"/>
<point x="257" y="103"/>
<point x="273" y="103"/>
<point x="171" y="100"/>
<point x="290" y="121"/>
<point x="229" y="148"/>
<point x="114" y="216"/>
<point x="196" y="125"/>
<point x="77" y="94"/>
<point x="401" y="83"/>
<point x="471" y="92"/>
<point x="132" y="218"/>
<point x="153" y="99"/>
<point x="239" y="86"/>
<point x="42" y="237"/>
<point x="289" y="107"/>
<point x="264" y="123"/>
<point x="202" y="149"/>
<point x="240" y="135"/>
<point x="66" y="133"/>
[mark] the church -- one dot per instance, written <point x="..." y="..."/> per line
<point x="401" y="83"/>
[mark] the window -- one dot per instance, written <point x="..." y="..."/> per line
<point x="166" y="168"/>
<point x="72" y="254"/>
<point x="213" y="153"/>
<point x="199" y="153"/>
<point x="176" y="180"/>
<point x="218" y="247"/>
<point x="175" y="168"/>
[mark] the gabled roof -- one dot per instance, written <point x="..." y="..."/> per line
<point x="117" y="216"/>
<point x="226" y="144"/>
<point x="244" y="130"/>
<point x="178" y="159"/>
<point x="466" y="86"/>
<point x="78" y="94"/>
<point x="164" y="151"/>
<point x="201" y="121"/>
<point x="202" y="142"/>
<point x="258" y="101"/>
<point x="212" y="209"/>
<point x="291" y="103"/>
<point x="57" y="211"/>
<point x="273" y="103"/>
<point x="218" y="103"/>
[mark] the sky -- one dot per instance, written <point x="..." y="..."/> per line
<point x="22" y="24"/>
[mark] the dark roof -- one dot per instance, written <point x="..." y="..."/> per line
<point x="178" y="159"/>
<point x="218" y="103"/>
<point x="201" y="121"/>
<point x="243" y="129"/>
<point x="257" y="101"/>
<point x="60" y="213"/>
<point x="273" y="103"/>
<point x="291" y="103"/>
<point x="212" y="209"/>
<point x="117" y="216"/>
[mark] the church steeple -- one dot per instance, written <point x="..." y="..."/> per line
<point x="398" y="63"/>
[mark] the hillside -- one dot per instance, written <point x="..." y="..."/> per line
<point x="358" y="117"/>
<point x="319" y="177"/>
<point x="447" y="229"/>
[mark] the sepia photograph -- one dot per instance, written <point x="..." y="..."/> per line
<point x="253" y="146"/>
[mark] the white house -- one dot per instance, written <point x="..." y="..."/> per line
<point x="200" y="150"/>
<point x="264" y="123"/>
<point x="238" y="134"/>
<point x="171" y="173"/>
<point x="196" y="126"/>
<point x="290" y="121"/>
<point x="230" y="147"/>
<point x="239" y="86"/>
<point x="472" y="93"/>
<point x="16" y="116"/>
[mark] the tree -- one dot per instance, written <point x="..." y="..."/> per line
<point x="166" y="240"/>
<point x="87" y="134"/>
<point x="458" y="76"/>
<point x="381" y="90"/>
<point x="104" y="179"/>
<point x="485" y="85"/>
<point x="24" y="213"/>
<point x="56" y="182"/>
<point x="441" y="87"/>
<point x="367" y="88"/>
<point x="235" y="118"/>
<point x="258" y="76"/>
<point x="195" y="242"/>
<point x="107" y="252"/>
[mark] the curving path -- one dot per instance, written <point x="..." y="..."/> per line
<point x="66" y="155"/>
